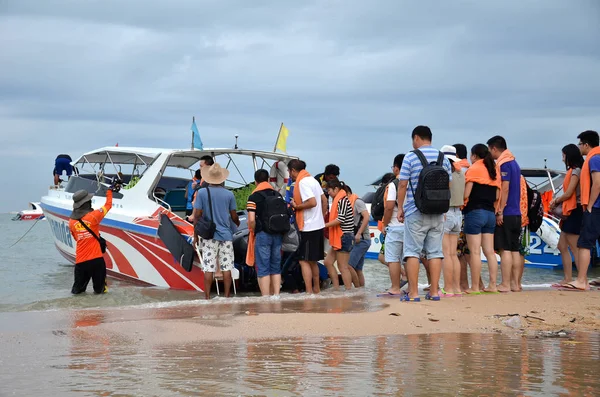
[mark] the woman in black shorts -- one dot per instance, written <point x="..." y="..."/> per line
<point x="572" y="212"/>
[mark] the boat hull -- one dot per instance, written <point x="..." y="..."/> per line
<point x="541" y="255"/>
<point x="134" y="251"/>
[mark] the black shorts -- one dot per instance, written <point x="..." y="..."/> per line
<point x="590" y="232"/>
<point x="312" y="246"/>
<point x="574" y="222"/>
<point x="94" y="269"/>
<point x="508" y="236"/>
<point x="189" y="212"/>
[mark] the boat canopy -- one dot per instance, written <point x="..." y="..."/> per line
<point x="187" y="158"/>
<point x="120" y="155"/>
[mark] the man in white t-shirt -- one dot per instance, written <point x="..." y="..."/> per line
<point x="311" y="206"/>
<point x="393" y="230"/>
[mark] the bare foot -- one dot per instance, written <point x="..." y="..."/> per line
<point x="502" y="288"/>
<point x="579" y="285"/>
<point x="491" y="288"/>
<point x="394" y="291"/>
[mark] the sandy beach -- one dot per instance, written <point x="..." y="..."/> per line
<point x="538" y="311"/>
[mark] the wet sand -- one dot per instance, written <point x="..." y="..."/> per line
<point x="467" y="314"/>
<point x="327" y="346"/>
<point x="358" y="315"/>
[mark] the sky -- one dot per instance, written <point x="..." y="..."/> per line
<point x="349" y="78"/>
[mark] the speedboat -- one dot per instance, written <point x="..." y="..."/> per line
<point x="33" y="213"/>
<point x="543" y="251"/>
<point x="148" y="238"/>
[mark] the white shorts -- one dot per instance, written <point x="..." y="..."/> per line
<point x="217" y="253"/>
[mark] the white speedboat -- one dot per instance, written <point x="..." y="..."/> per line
<point x="153" y="197"/>
<point x="543" y="244"/>
<point x="33" y="213"/>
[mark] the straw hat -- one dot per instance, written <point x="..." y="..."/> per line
<point x="215" y="175"/>
<point x="450" y="152"/>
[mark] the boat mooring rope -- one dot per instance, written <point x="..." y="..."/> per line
<point x="16" y="242"/>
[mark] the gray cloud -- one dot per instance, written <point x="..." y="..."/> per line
<point x="349" y="78"/>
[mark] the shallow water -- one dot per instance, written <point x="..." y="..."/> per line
<point x="35" y="277"/>
<point x="79" y="362"/>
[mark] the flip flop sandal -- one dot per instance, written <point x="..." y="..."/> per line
<point x="388" y="294"/>
<point x="406" y="298"/>
<point x="432" y="298"/>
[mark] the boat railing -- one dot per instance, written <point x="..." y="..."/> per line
<point x="161" y="202"/>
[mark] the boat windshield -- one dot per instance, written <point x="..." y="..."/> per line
<point x="543" y="179"/>
<point x="170" y="189"/>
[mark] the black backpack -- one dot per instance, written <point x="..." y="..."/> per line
<point x="377" y="205"/>
<point x="433" y="191"/>
<point x="535" y="209"/>
<point x="274" y="214"/>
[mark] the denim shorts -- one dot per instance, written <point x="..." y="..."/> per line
<point x="357" y="255"/>
<point x="590" y="231"/>
<point x="394" y="244"/>
<point x="423" y="233"/>
<point x="267" y="254"/>
<point x="347" y="242"/>
<point x="480" y="222"/>
<point x="453" y="222"/>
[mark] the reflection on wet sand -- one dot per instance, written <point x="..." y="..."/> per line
<point x="211" y="314"/>
<point x="434" y="364"/>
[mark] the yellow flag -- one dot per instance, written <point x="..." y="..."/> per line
<point x="282" y="139"/>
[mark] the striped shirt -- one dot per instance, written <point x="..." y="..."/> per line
<point x="345" y="215"/>
<point x="410" y="171"/>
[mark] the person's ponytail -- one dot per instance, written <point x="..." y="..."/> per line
<point x="482" y="152"/>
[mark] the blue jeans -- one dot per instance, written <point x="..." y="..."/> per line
<point x="423" y="234"/>
<point x="357" y="255"/>
<point x="267" y="254"/>
<point x="480" y="222"/>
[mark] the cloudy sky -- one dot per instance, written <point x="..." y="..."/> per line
<point x="349" y="78"/>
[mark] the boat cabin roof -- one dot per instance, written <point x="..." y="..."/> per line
<point x="540" y="173"/>
<point x="179" y="158"/>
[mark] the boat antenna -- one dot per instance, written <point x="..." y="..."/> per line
<point x="236" y="141"/>
<point x="545" y="164"/>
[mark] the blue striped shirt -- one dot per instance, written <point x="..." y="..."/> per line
<point x="410" y="171"/>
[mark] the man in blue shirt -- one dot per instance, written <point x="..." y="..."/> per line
<point x="507" y="236"/>
<point x="217" y="251"/>
<point x="422" y="232"/>
<point x="589" y="143"/>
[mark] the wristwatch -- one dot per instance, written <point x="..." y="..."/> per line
<point x="498" y="213"/>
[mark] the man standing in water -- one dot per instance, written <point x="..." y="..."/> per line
<point x="220" y="207"/>
<point x="85" y="228"/>
<point x="589" y="144"/>
<point x="310" y="206"/>
<point x="507" y="236"/>
<point x="264" y="245"/>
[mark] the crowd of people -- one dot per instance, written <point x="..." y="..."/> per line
<point x="441" y="208"/>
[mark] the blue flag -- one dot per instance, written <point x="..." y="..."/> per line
<point x="196" y="140"/>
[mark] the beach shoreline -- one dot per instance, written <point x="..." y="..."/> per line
<point x="356" y="315"/>
<point x="540" y="312"/>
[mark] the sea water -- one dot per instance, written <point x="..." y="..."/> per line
<point x="46" y="346"/>
<point x="34" y="276"/>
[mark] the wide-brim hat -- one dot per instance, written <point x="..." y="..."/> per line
<point x="81" y="197"/>
<point x="215" y="174"/>
<point x="450" y="152"/>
